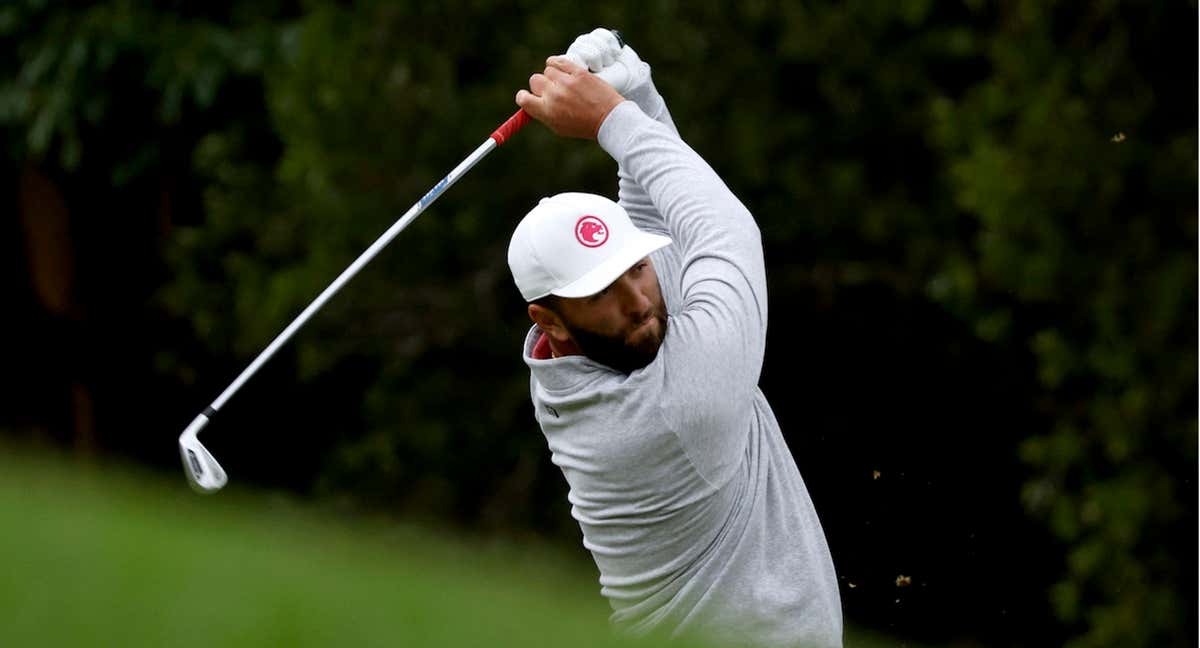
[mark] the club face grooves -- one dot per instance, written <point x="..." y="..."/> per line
<point x="197" y="469"/>
<point x="203" y="472"/>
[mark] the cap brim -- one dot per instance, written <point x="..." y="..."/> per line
<point x="613" y="267"/>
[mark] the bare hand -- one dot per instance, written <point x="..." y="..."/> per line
<point x="566" y="98"/>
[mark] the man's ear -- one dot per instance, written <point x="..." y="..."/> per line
<point x="550" y="322"/>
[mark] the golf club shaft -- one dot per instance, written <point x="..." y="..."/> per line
<point x="498" y="137"/>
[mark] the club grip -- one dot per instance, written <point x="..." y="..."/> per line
<point x="510" y="127"/>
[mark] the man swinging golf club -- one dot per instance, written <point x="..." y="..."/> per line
<point x="650" y="320"/>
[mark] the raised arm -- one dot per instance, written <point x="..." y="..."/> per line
<point x="712" y="355"/>
<point x="713" y="352"/>
<point x="616" y="63"/>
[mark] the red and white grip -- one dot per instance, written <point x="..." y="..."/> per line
<point x="510" y="127"/>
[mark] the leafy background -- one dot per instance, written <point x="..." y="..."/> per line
<point x="980" y="227"/>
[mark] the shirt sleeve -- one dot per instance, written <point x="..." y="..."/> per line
<point x="630" y="195"/>
<point x="713" y="352"/>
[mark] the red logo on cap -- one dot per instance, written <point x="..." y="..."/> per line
<point x="591" y="232"/>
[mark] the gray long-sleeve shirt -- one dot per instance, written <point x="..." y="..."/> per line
<point x="685" y="491"/>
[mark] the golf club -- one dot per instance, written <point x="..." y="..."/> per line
<point x="202" y="470"/>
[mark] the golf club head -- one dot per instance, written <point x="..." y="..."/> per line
<point x="202" y="470"/>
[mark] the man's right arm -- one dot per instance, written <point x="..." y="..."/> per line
<point x="630" y="194"/>
<point x="714" y="347"/>
<point x="620" y="66"/>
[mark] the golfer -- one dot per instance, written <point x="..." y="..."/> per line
<point x="649" y="324"/>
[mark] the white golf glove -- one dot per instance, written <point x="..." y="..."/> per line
<point x="601" y="53"/>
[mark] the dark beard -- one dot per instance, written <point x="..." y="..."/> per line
<point x="613" y="352"/>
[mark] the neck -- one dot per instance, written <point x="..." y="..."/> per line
<point x="560" y="349"/>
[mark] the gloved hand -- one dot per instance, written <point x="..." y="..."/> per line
<point x="602" y="54"/>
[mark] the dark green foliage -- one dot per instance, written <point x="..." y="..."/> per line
<point x="1028" y="168"/>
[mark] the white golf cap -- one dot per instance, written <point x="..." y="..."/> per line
<point x="575" y="245"/>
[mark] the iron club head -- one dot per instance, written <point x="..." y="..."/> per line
<point x="202" y="470"/>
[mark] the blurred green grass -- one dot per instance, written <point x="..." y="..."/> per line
<point x="110" y="555"/>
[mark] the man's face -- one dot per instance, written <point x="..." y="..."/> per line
<point x="623" y="325"/>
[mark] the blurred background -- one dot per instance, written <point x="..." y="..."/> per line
<point x="980" y="229"/>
